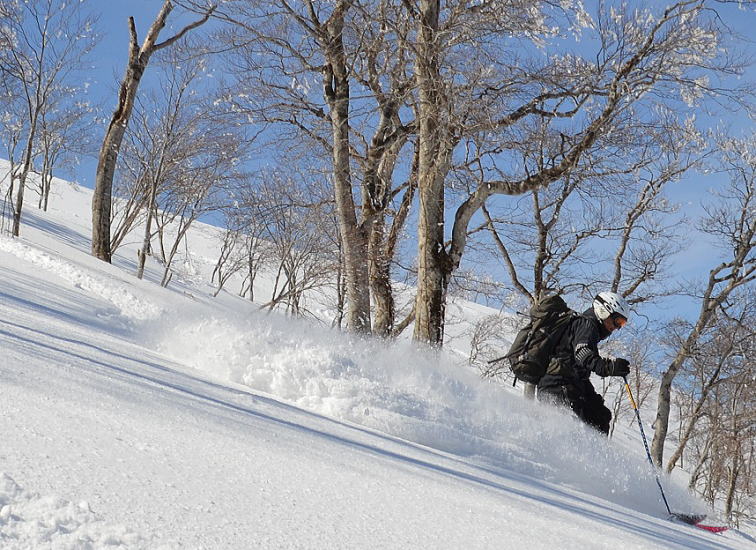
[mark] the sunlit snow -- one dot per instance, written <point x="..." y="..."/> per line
<point x="134" y="416"/>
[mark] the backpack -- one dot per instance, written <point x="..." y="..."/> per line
<point x="534" y="344"/>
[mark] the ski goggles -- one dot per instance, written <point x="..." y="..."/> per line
<point x="618" y="320"/>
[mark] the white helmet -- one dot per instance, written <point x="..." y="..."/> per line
<point x="607" y="304"/>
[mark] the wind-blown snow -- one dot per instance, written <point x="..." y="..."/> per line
<point x="138" y="417"/>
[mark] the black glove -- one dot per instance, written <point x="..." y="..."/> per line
<point x="619" y="367"/>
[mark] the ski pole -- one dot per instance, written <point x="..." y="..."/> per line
<point x="645" y="444"/>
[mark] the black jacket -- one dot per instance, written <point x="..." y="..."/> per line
<point x="576" y="354"/>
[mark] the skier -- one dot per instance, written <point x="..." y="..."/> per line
<point x="575" y="356"/>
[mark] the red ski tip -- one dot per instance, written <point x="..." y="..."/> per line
<point x="711" y="528"/>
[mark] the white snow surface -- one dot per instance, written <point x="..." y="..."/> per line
<point x="134" y="416"/>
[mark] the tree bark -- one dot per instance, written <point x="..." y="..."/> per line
<point x="382" y="246"/>
<point x="432" y="269"/>
<point x="380" y="281"/>
<point x="732" y="481"/>
<point x="735" y="453"/>
<point x="353" y="236"/>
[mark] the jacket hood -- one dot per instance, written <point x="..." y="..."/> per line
<point x="590" y="314"/>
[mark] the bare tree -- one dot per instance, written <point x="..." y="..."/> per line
<point x="243" y="248"/>
<point x="717" y="359"/>
<point x="486" y="344"/>
<point x="229" y="261"/>
<point x="256" y="253"/>
<point x="64" y="136"/>
<point x="435" y="145"/>
<point x="12" y="133"/>
<point x="48" y="44"/>
<point x="172" y="125"/>
<point x="718" y="424"/>
<point x="740" y="445"/>
<point x="200" y="178"/>
<point x="724" y="449"/>
<point x="178" y="207"/>
<point x="139" y="57"/>
<point x="732" y="224"/>
<point x="552" y="246"/>
<point x="131" y="186"/>
<point x="295" y="221"/>
<point x="306" y="40"/>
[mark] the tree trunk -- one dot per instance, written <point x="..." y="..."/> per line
<point x="732" y="482"/>
<point x="20" y="194"/>
<point x="380" y="281"/>
<point x="340" y="293"/>
<point x="46" y="193"/>
<point x="529" y="391"/>
<point x="353" y="237"/>
<point x="661" y="424"/>
<point x="111" y="144"/>
<point x="735" y="452"/>
<point x="381" y="163"/>
<point x="388" y="252"/>
<point x="685" y="437"/>
<point x="148" y="230"/>
<point x="705" y="456"/>
<point x="26" y="168"/>
<point x="432" y="276"/>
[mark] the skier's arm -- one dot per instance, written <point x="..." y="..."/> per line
<point x="586" y="350"/>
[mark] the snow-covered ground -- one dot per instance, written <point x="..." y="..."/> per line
<point x="134" y="416"/>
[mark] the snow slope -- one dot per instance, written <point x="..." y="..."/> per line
<point x="139" y="417"/>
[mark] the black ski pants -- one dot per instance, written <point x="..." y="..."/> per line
<point x="582" y="398"/>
